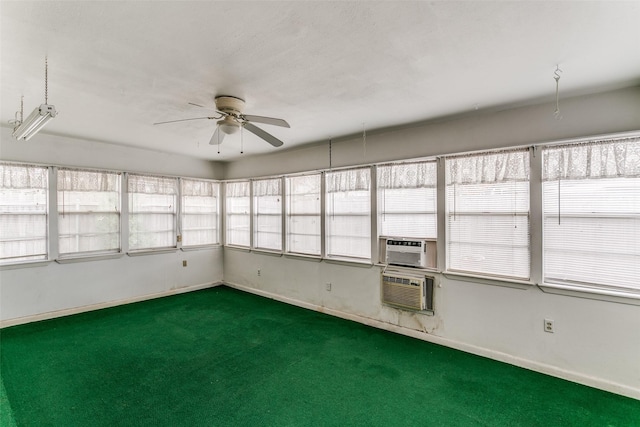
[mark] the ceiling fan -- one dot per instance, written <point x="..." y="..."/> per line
<point x="231" y="118"/>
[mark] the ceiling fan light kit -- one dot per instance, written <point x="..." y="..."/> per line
<point x="231" y="119"/>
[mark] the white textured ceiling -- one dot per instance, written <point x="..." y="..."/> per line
<point x="329" y="68"/>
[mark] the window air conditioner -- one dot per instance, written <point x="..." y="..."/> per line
<point x="407" y="292"/>
<point x="407" y="253"/>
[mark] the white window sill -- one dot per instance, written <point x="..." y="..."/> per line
<point x="152" y="251"/>
<point x="601" y="294"/>
<point x="25" y="264"/>
<point x="486" y="280"/>
<point x="200" y="247"/>
<point x="349" y="261"/>
<point x="83" y="258"/>
<point x="238" y="248"/>
<point x="305" y="257"/>
<point x="267" y="252"/>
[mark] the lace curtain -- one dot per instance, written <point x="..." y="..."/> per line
<point x="77" y="180"/>
<point x="267" y="187"/>
<point x="409" y="175"/>
<point x="615" y="158"/>
<point x="199" y="188"/>
<point x="152" y="184"/>
<point x="488" y="168"/>
<point x="23" y="176"/>
<point x="237" y="189"/>
<point x="348" y="180"/>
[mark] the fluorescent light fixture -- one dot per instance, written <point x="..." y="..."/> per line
<point x="36" y="121"/>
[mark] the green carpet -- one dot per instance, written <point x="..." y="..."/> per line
<point x="220" y="357"/>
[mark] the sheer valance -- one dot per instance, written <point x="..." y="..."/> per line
<point x="199" y="188"/>
<point x="23" y="176"/>
<point x="348" y="180"/>
<point x="267" y="187"/>
<point x="597" y="159"/>
<point x="152" y="185"/>
<point x="488" y="168"/>
<point x="237" y="189"/>
<point x="77" y="180"/>
<point x="408" y="175"/>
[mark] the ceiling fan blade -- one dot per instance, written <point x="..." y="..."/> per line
<point x="185" y="120"/>
<point x="262" y="134"/>
<point x="266" y="120"/>
<point x="197" y="105"/>
<point x="217" y="134"/>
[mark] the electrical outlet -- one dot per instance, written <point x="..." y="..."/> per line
<point x="328" y="286"/>
<point x="548" y="326"/>
<point x="184" y="263"/>
<point x="259" y="272"/>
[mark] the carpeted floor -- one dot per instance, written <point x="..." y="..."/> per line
<point x="220" y="357"/>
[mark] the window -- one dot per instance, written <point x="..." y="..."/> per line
<point x="199" y="212"/>
<point x="267" y="209"/>
<point x="152" y="212"/>
<point x="303" y="214"/>
<point x="23" y="210"/>
<point x="487" y="213"/>
<point x="591" y="197"/>
<point x="407" y="200"/>
<point x="238" y="205"/>
<point x="88" y="212"/>
<point x="348" y="213"/>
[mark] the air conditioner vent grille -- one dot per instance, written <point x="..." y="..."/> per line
<point x="412" y="293"/>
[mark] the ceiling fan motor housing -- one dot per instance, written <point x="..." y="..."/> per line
<point x="230" y="105"/>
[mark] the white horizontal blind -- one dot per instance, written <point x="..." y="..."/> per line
<point x="348" y="213"/>
<point x="267" y="214"/>
<point x="303" y="214"/>
<point x="88" y="212"/>
<point x="407" y="200"/>
<point x="152" y="212"/>
<point x="200" y="201"/>
<point x="238" y="205"/>
<point x="23" y="213"/>
<point x="591" y="194"/>
<point x="487" y="213"/>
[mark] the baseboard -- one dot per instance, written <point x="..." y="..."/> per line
<point x="543" y="368"/>
<point x="76" y="310"/>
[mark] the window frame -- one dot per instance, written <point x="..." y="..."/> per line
<point x="218" y="216"/>
<point x="256" y="228"/>
<point x="227" y="214"/>
<point x="575" y="287"/>
<point x="97" y="253"/>
<point x="329" y="216"/>
<point x="175" y="214"/>
<point x="289" y="216"/>
<point x="446" y="212"/>
<point x="33" y="259"/>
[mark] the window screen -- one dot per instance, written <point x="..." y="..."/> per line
<point x="267" y="214"/>
<point x="88" y="211"/>
<point x="152" y="212"/>
<point x="487" y="213"/>
<point x="199" y="212"/>
<point x="591" y="195"/>
<point x="23" y="213"/>
<point x="238" y="205"/>
<point x="348" y="213"/>
<point x="303" y="214"/>
<point x="407" y="200"/>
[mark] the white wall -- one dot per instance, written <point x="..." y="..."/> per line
<point x="596" y="342"/>
<point x="55" y="289"/>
